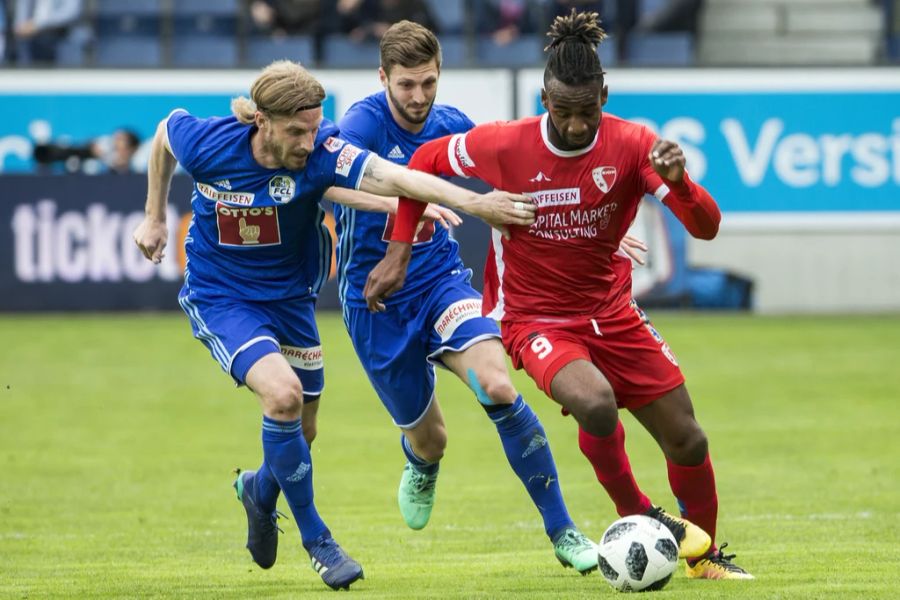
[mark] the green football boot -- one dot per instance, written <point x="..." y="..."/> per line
<point x="416" y="496"/>
<point x="575" y="550"/>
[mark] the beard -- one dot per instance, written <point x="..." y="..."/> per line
<point x="410" y="118"/>
<point x="287" y="159"/>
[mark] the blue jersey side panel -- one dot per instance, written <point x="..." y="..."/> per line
<point x="363" y="235"/>
<point x="257" y="233"/>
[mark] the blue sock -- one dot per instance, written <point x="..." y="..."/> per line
<point x="528" y="452"/>
<point x="265" y="488"/>
<point x="420" y="464"/>
<point x="287" y="455"/>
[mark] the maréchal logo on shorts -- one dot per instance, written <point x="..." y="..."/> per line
<point x="604" y="177"/>
<point x="281" y="188"/>
<point x="346" y="159"/>
<point x="307" y="359"/>
<point x="455" y="315"/>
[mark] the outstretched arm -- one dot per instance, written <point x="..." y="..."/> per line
<point x="497" y="209"/>
<point x="151" y="235"/>
<point x="690" y="202"/>
<point x="384" y="204"/>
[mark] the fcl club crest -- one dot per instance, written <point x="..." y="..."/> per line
<point x="604" y="177"/>
<point x="281" y="188"/>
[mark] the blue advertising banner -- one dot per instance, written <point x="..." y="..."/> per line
<point x="77" y="119"/>
<point x="772" y="141"/>
<point x="77" y="107"/>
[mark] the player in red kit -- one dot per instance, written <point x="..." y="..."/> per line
<point x="562" y="289"/>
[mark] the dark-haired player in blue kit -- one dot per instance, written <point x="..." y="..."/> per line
<point x="257" y="255"/>
<point x="435" y="319"/>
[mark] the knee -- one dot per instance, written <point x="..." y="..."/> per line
<point x="285" y="402"/>
<point x="689" y="447"/>
<point x="595" y="410"/>
<point x="498" y="387"/>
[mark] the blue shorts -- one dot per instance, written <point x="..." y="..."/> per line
<point x="238" y="333"/>
<point x="399" y="347"/>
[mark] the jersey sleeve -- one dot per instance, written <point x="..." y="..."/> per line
<point x="360" y="127"/>
<point x="474" y="153"/>
<point x="689" y="201"/>
<point x="471" y="154"/>
<point x="185" y="134"/>
<point x="344" y="162"/>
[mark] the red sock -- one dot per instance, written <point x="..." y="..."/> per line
<point x="695" y="490"/>
<point x="607" y="456"/>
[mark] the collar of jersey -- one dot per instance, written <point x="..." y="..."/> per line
<point x="564" y="153"/>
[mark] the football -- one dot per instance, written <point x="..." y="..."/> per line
<point x="637" y="554"/>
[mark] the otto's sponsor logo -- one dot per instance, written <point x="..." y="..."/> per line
<point x="560" y="197"/>
<point x="281" y="188"/>
<point x="86" y="245"/>
<point x="333" y="144"/>
<point x="604" y="178"/>
<point x="248" y="226"/>
<point x="455" y="315"/>
<point x="346" y="159"/>
<point x="240" y="198"/>
<point x="307" y="359"/>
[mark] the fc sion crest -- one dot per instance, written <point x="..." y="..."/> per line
<point x="604" y="177"/>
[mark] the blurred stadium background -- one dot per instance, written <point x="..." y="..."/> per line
<point x="789" y="113"/>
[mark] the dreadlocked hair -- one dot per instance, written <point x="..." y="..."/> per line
<point x="572" y="49"/>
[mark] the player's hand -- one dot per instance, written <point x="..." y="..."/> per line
<point x="499" y="209"/>
<point x="150" y="236"/>
<point x="442" y="215"/>
<point x="667" y="160"/>
<point x="633" y="248"/>
<point x="388" y="275"/>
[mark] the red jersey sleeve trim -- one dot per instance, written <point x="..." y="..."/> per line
<point x="431" y="157"/>
<point x="693" y="206"/>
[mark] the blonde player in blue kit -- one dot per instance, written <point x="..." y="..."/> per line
<point x="257" y="255"/>
<point x="435" y="319"/>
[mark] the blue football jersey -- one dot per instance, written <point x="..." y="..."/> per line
<point x="257" y="233"/>
<point x="363" y="236"/>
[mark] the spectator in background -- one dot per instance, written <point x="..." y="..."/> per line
<point x="287" y="17"/>
<point x="40" y="25"/>
<point x="106" y="154"/>
<point x="367" y="20"/>
<point x="4" y="30"/>
<point x="118" y="155"/>
<point x="505" y="20"/>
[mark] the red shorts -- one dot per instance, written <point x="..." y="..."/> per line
<point x="622" y="344"/>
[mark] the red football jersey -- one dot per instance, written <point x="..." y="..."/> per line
<point x="568" y="262"/>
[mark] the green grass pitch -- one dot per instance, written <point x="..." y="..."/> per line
<point x="118" y="435"/>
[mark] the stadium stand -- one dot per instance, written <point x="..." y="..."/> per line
<point x="263" y="50"/>
<point x="221" y="34"/>
<point x="790" y="32"/>
<point x="524" y="51"/>
<point x="674" y="49"/>
<point x="343" y="52"/>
